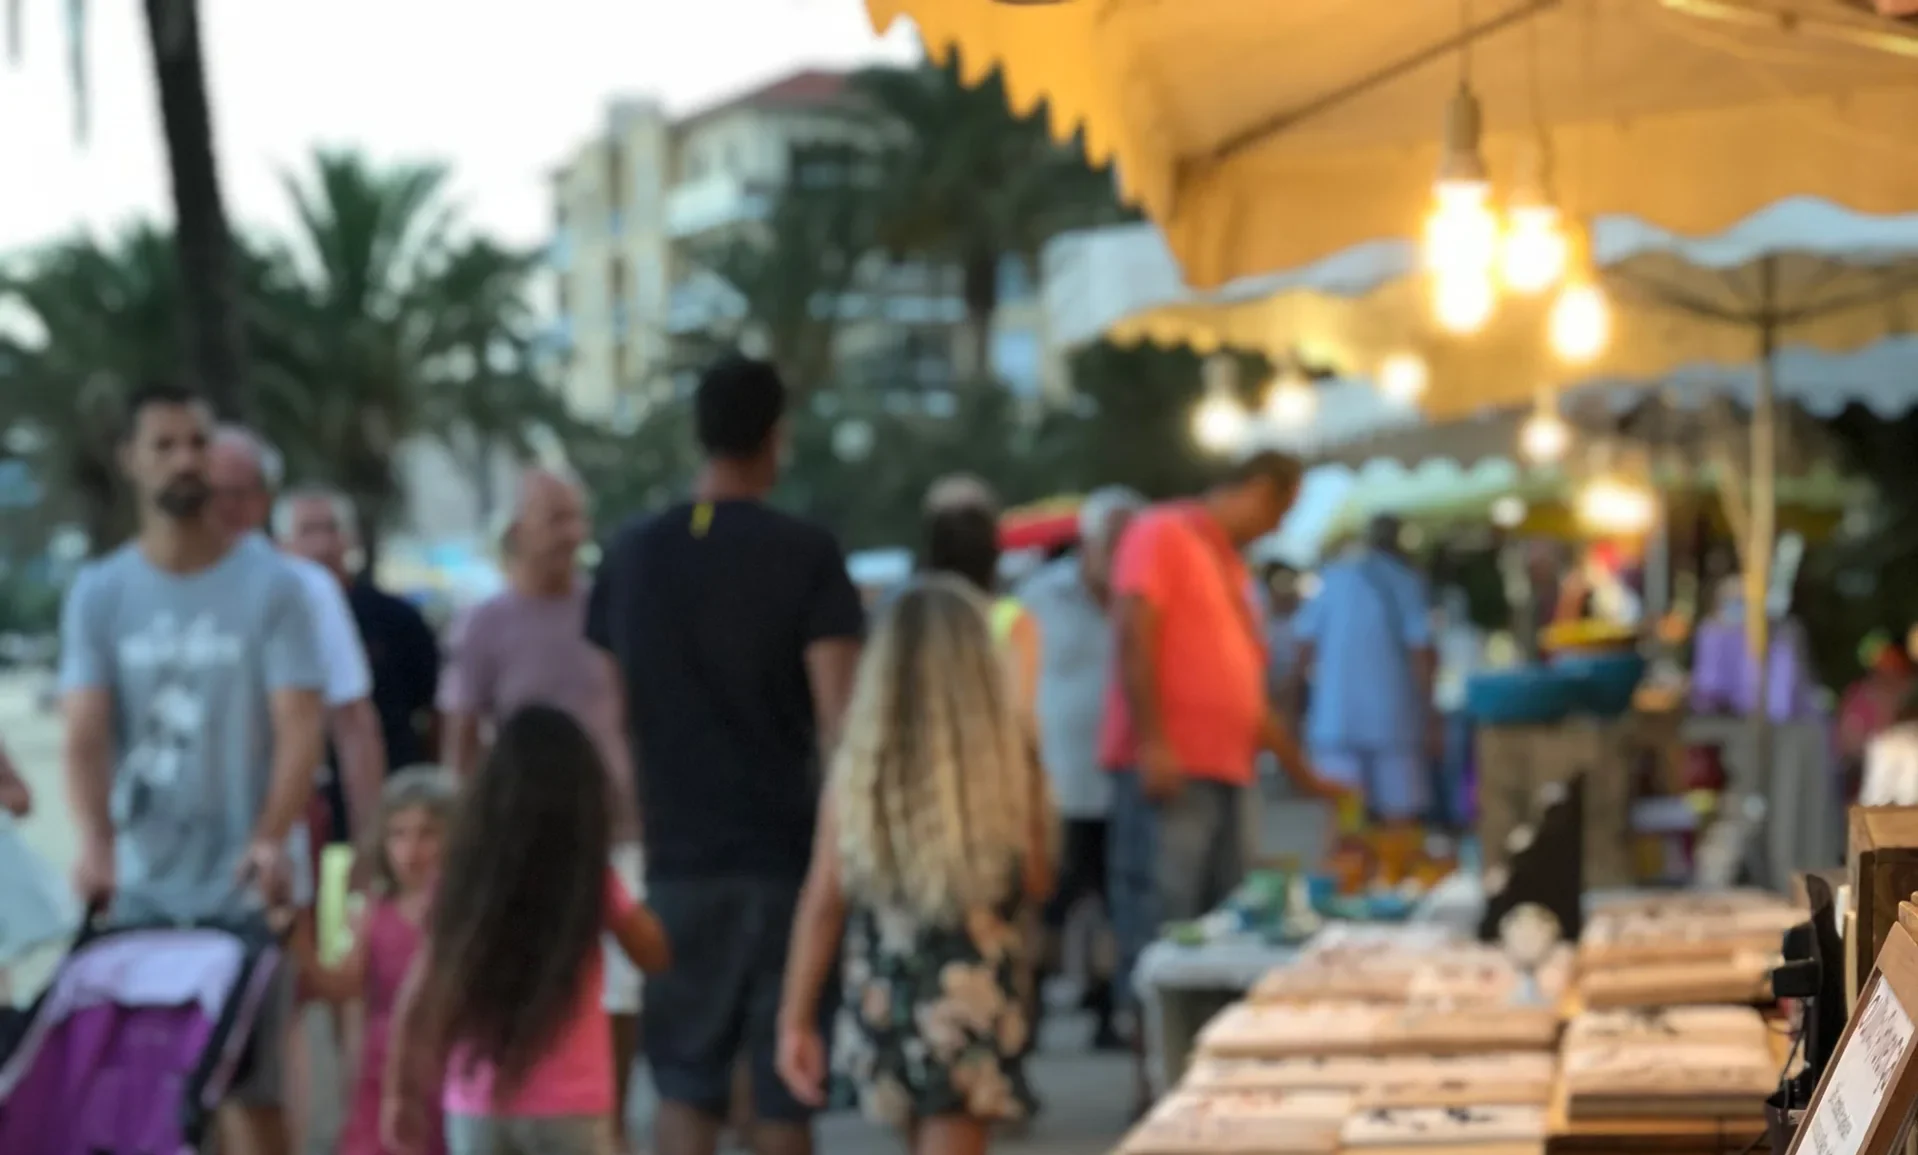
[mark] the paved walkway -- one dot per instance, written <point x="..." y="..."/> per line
<point x="1086" y="1095"/>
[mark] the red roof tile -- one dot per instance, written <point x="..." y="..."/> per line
<point x="798" y="90"/>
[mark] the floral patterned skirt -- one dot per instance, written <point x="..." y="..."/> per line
<point x="934" y="1020"/>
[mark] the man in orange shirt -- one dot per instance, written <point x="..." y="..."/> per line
<point x="1188" y="712"/>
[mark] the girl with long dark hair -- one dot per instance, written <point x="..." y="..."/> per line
<point x="507" y="992"/>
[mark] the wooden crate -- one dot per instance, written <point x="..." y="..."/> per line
<point x="1881" y="864"/>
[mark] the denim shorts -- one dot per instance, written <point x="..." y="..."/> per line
<point x="720" y="1000"/>
<point x="1169" y="861"/>
<point x="556" y="1135"/>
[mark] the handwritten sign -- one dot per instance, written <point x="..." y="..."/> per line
<point x="1860" y="1076"/>
<point x="1864" y="1100"/>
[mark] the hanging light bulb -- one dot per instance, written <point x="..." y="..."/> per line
<point x="1581" y="322"/>
<point x="1403" y="377"/>
<point x="1612" y="505"/>
<point x="1291" y="402"/>
<point x="1461" y="234"/>
<point x="1462" y="302"/>
<point x="1219" y="423"/>
<point x="1544" y="437"/>
<point x="1534" y="252"/>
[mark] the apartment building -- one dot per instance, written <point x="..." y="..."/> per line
<point x="634" y="206"/>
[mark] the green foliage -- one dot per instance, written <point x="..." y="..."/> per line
<point x="965" y="183"/>
<point x="374" y="323"/>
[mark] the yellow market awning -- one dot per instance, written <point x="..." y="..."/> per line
<point x="1261" y="134"/>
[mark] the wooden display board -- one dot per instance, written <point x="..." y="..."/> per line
<point x="1864" y="1101"/>
<point x="1881" y="862"/>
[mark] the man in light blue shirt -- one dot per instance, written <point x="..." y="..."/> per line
<point x="191" y="681"/>
<point x="1070" y="597"/>
<point x="1366" y="642"/>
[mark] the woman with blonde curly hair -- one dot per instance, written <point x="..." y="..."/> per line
<point x="934" y="838"/>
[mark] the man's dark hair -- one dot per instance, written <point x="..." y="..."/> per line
<point x="964" y="541"/>
<point x="1283" y="470"/>
<point x="154" y="395"/>
<point x="737" y="406"/>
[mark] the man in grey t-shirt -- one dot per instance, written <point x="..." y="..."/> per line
<point x="191" y="680"/>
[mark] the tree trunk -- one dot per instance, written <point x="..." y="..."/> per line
<point x="980" y="290"/>
<point x="207" y="268"/>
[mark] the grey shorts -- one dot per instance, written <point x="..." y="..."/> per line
<point x="1169" y="861"/>
<point x="262" y="1078"/>
<point x="562" y="1135"/>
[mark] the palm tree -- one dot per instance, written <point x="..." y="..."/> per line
<point x="209" y="276"/>
<point x="100" y="320"/>
<point x="964" y="182"/>
<point x="209" y="264"/>
<point x="790" y="280"/>
<point x="346" y="328"/>
<point x="483" y="398"/>
<point x="390" y="328"/>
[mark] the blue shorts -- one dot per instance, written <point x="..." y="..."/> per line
<point x="1392" y="782"/>
<point x="720" y="1000"/>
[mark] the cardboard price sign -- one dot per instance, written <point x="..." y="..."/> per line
<point x="1865" y="1099"/>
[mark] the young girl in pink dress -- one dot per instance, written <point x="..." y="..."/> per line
<point x="415" y="811"/>
<point x="501" y="1029"/>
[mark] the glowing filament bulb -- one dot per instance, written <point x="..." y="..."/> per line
<point x="1218" y="424"/>
<point x="1535" y="249"/>
<point x="1581" y="323"/>
<point x="1462" y="302"/>
<point x="1403" y="377"/>
<point x="1461" y="235"/>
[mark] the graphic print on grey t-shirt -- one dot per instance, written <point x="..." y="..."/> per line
<point x="178" y="663"/>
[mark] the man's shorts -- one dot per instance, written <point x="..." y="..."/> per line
<point x="624" y="984"/>
<point x="720" y="1000"/>
<point x="1393" y="783"/>
<point x="261" y="1082"/>
<point x="1170" y="861"/>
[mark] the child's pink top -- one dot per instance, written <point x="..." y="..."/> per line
<point x="575" y="1077"/>
<point x="391" y="943"/>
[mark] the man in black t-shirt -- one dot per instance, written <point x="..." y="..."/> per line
<point x="736" y="629"/>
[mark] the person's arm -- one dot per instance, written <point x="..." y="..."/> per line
<point x="15" y="798"/>
<point x="835" y="625"/>
<point x="636" y="929"/>
<point x="412" y="1056"/>
<point x="626" y="818"/>
<point x="819" y="924"/>
<point x="344" y="981"/>
<point x="361" y="750"/>
<point x="465" y="689"/>
<point x="1421" y="651"/>
<point x="86" y="706"/>
<point x="1041" y="869"/>
<point x="295" y="680"/>
<point x="1026" y="658"/>
<point x="350" y="719"/>
<point x="422" y="653"/>
<point x="599" y="632"/>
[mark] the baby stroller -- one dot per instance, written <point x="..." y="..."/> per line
<point x="136" y="1041"/>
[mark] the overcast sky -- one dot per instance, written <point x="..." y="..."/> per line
<point x="498" y="89"/>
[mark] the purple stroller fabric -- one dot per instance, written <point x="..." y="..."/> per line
<point x="134" y="1045"/>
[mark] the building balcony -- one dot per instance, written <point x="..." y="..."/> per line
<point x="713" y="202"/>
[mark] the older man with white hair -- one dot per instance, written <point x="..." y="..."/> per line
<point x="1070" y="598"/>
<point x="244" y="473"/>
